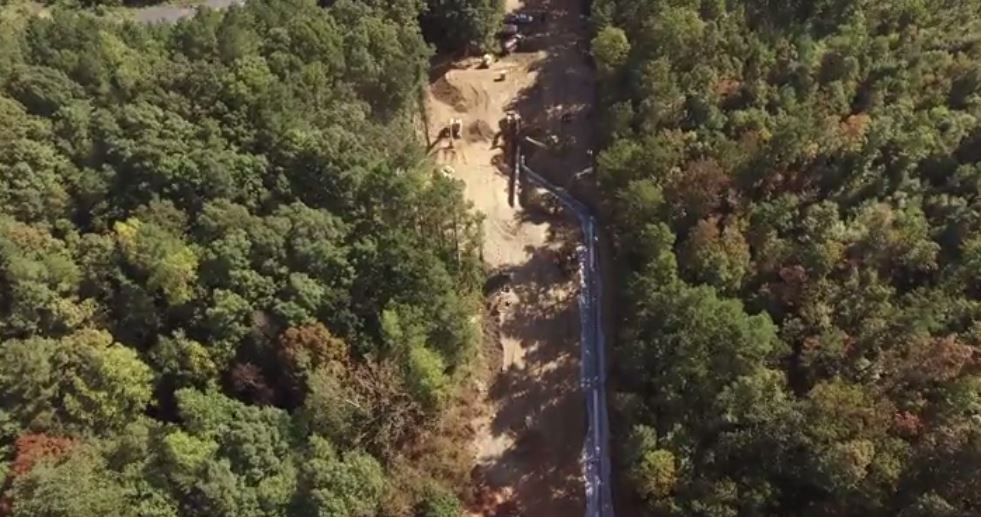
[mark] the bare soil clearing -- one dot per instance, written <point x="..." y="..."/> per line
<point x="172" y="11"/>
<point x="529" y="439"/>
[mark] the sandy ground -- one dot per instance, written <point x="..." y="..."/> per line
<point x="529" y="439"/>
<point x="175" y="10"/>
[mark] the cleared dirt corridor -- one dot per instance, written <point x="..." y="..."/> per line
<point x="529" y="438"/>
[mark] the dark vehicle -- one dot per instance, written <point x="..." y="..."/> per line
<point x="497" y="282"/>
<point x="507" y="30"/>
<point x="519" y="18"/>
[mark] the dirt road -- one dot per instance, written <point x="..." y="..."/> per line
<point x="529" y="441"/>
<point x="171" y="12"/>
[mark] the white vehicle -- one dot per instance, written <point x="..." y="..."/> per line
<point x="511" y="44"/>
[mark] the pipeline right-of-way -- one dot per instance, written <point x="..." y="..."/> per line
<point x="596" y="457"/>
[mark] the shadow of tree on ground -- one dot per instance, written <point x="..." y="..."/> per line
<point x="540" y="404"/>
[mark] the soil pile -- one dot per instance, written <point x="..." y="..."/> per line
<point x="445" y="92"/>
<point x="479" y="131"/>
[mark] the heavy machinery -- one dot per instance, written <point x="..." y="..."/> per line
<point x="508" y="124"/>
<point x="451" y="132"/>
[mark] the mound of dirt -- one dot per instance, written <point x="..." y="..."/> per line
<point x="479" y="131"/>
<point x="448" y="94"/>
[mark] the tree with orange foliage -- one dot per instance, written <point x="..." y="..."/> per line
<point x="29" y="449"/>
<point x="696" y="192"/>
<point x="32" y="448"/>
<point x="304" y="349"/>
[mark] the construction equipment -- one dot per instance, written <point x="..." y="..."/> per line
<point x="509" y="123"/>
<point x="456" y="128"/>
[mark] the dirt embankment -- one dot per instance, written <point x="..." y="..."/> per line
<point x="529" y="437"/>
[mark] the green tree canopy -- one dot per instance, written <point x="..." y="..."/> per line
<point x="202" y="227"/>
<point x="792" y="189"/>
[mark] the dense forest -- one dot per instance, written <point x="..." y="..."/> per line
<point x="230" y="282"/>
<point x="794" y="187"/>
<point x="450" y="25"/>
